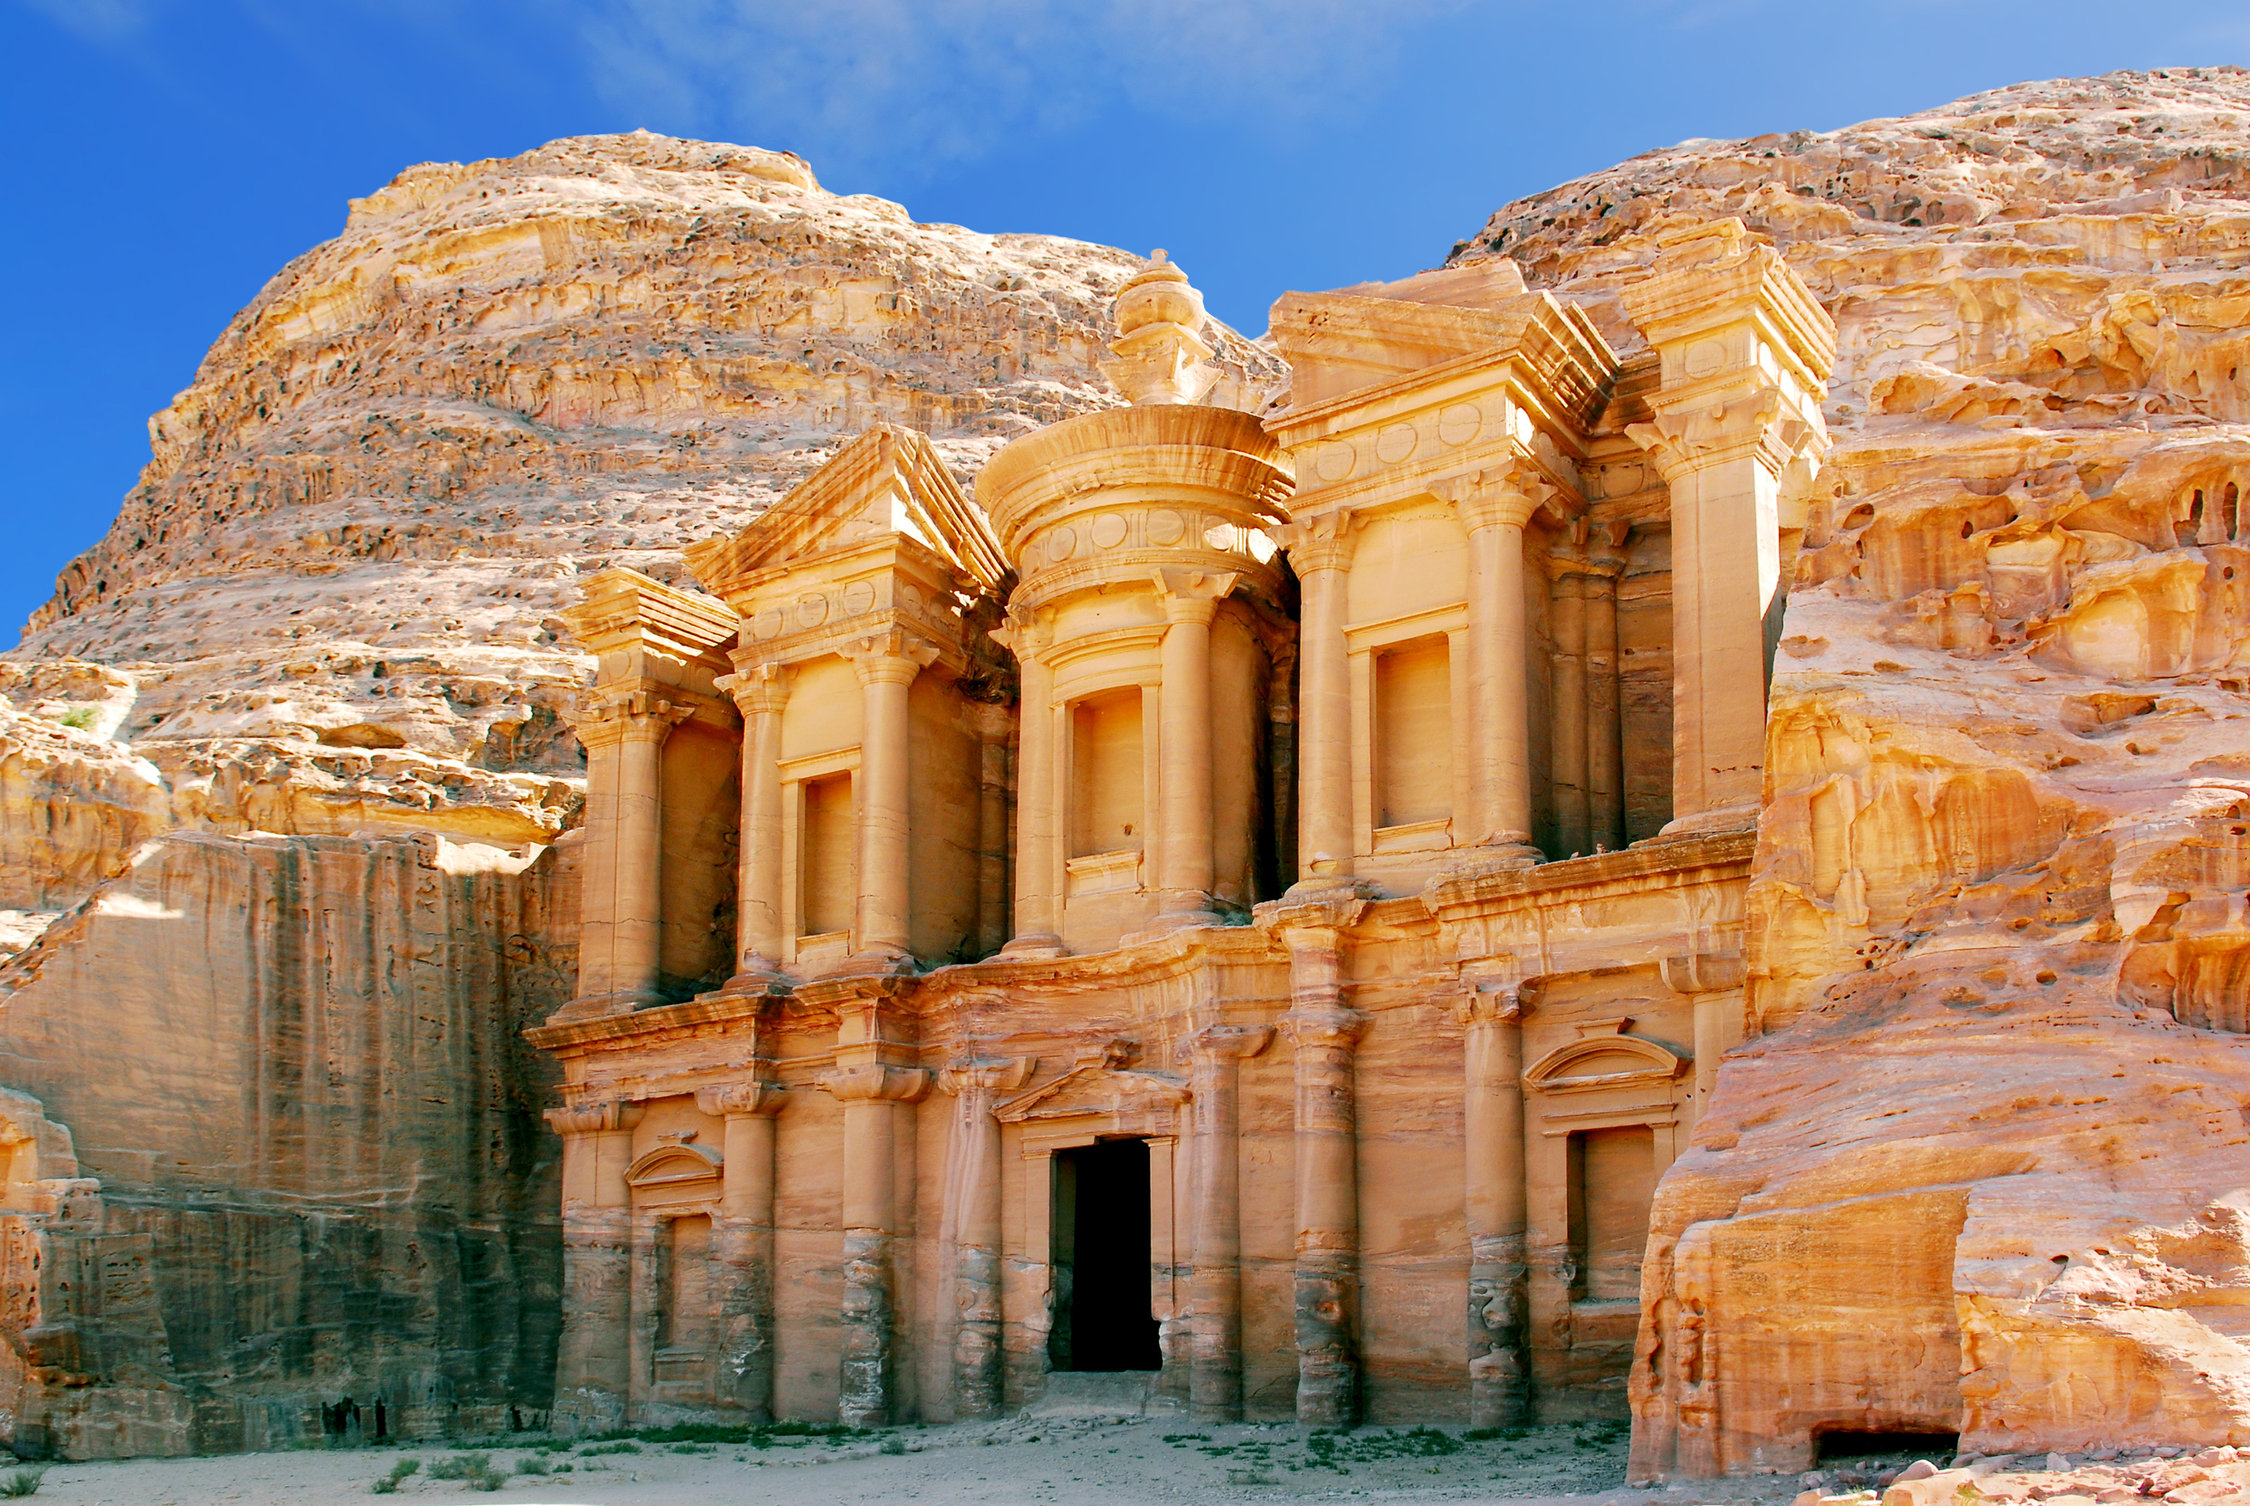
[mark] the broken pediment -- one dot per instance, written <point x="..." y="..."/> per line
<point x="889" y="482"/>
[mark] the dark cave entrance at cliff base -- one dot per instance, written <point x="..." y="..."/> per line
<point x="1100" y="1249"/>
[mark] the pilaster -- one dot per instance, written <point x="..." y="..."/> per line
<point x="593" y="1362"/>
<point x="1215" y="1055"/>
<point x="744" y="1236"/>
<point x="973" y="1220"/>
<point x="1492" y="1118"/>
<point x="621" y="921"/>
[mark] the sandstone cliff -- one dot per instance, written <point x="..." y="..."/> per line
<point x="1996" y="1102"/>
<point x="288" y="754"/>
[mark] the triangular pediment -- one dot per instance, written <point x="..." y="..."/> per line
<point x="1095" y="1089"/>
<point x="888" y="483"/>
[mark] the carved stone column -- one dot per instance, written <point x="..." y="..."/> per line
<point x="1325" y="1033"/>
<point x="761" y="909"/>
<point x="1492" y="1120"/>
<point x="993" y="726"/>
<point x="1745" y="353"/>
<point x="1216" y="1054"/>
<point x="1038" y="930"/>
<point x="972" y="1189"/>
<point x="1184" y="877"/>
<point x="887" y="664"/>
<point x="744" y="1235"/>
<point x="871" y="1095"/>
<point x="621" y="925"/>
<point x="1605" y="742"/>
<point x="1567" y="710"/>
<point x="593" y="1363"/>
<point x="1320" y="549"/>
<point x="1494" y="511"/>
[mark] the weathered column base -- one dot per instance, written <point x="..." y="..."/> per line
<point x="1215" y="1348"/>
<point x="1327" y="1295"/>
<point x="745" y="1318"/>
<point x="597" y="1280"/>
<point x="864" y="1398"/>
<point x="978" y="1364"/>
<point x="1499" y="1305"/>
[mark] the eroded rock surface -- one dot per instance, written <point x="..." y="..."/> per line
<point x="282" y="761"/>
<point x="1994" y="1107"/>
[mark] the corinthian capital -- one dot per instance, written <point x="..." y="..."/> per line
<point x="983" y="1075"/>
<point x="1316" y="543"/>
<point x="1228" y="1042"/>
<point x="740" y="1098"/>
<point x="1755" y="424"/>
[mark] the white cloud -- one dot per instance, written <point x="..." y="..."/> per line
<point x="852" y="81"/>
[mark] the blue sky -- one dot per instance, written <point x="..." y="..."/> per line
<point x="167" y="156"/>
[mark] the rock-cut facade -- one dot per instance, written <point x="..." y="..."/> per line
<point x="1251" y="904"/>
<point x="680" y="797"/>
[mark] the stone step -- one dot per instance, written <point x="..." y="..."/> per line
<point x="1103" y="1393"/>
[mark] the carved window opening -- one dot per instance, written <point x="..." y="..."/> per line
<point x="1612" y="1185"/>
<point x="2230" y="504"/>
<point x="828" y="883"/>
<point x="1100" y="1249"/>
<point x="1414" y="733"/>
<point x="1107" y="779"/>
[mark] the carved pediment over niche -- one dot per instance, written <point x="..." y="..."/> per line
<point x="1604" y="1056"/>
<point x="674" y="1162"/>
<point x="1097" y="1088"/>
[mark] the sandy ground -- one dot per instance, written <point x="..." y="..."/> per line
<point x="1037" y="1461"/>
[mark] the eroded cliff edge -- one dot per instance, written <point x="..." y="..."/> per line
<point x="1982" y="1165"/>
<point x="286" y="785"/>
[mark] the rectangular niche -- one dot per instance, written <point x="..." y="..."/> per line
<point x="684" y="1306"/>
<point x="1107" y="792"/>
<point x="1612" y="1184"/>
<point x="828" y="890"/>
<point x="1414" y="733"/>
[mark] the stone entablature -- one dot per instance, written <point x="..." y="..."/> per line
<point x="1392" y="1144"/>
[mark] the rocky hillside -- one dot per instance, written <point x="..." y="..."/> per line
<point x="1998" y="938"/>
<point x="329" y="603"/>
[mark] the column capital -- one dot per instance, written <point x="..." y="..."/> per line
<point x="1025" y="634"/>
<point x="758" y="687"/>
<point x="1193" y="595"/>
<point x="738" y="1099"/>
<point x="1501" y="497"/>
<point x="1492" y="1002"/>
<point x="894" y="657"/>
<point x="976" y="1074"/>
<point x="1318" y="543"/>
<point x="608" y="717"/>
<point x="876" y="1082"/>
<point x="1751" y="422"/>
<point x="1219" y="1043"/>
<point x="1315" y="921"/>
<point x="594" y="1118"/>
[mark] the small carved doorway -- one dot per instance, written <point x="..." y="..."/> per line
<point x="1100" y="1249"/>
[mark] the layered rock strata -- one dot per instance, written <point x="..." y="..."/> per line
<point x="1994" y="1107"/>
<point x="293" y="739"/>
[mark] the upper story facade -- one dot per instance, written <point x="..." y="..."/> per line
<point x="1481" y="595"/>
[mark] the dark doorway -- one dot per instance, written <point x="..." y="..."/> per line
<point x="1100" y="1248"/>
<point x="1842" y="1445"/>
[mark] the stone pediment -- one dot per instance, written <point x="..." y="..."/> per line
<point x="672" y="1163"/>
<point x="1096" y="1089"/>
<point x="1604" y="1056"/>
<point x="889" y="482"/>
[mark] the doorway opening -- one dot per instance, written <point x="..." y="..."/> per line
<point x="1100" y="1248"/>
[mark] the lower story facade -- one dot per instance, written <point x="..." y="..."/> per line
<point x="1384" y="1160"/>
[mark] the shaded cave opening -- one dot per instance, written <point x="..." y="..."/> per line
<point x="1104" y="1318"/>
<point x="1832" y="1445"/>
